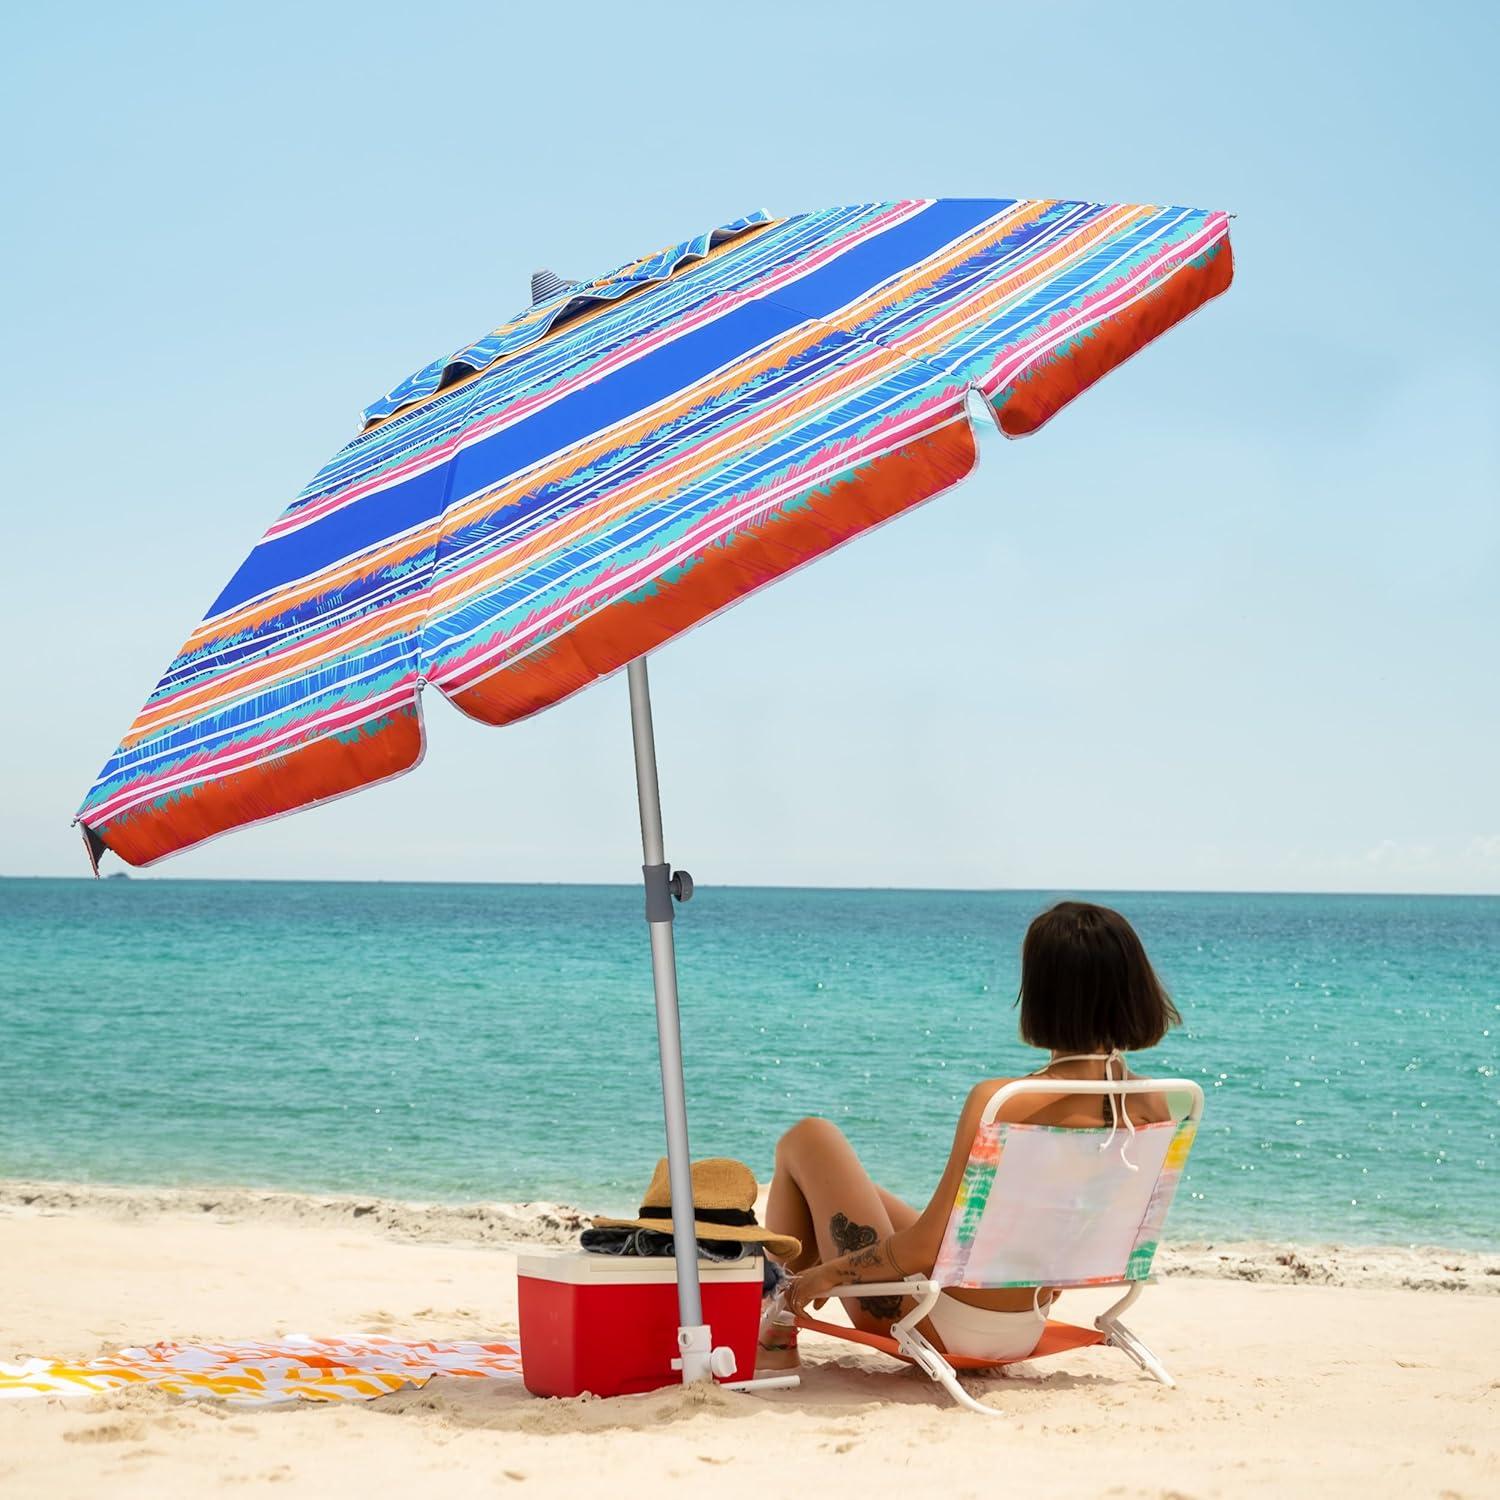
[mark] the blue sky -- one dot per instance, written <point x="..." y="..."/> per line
<point x="1230" y="622"/>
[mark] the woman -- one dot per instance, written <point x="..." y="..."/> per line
<point x="1088" y="994"/>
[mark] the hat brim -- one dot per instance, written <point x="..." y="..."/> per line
<point x="782" y="1245"/>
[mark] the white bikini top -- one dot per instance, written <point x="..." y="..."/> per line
<point x="1116" y="1111"/>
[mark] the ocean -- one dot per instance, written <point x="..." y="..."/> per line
<point x="456" y="1042"/>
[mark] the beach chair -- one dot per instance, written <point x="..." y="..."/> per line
<point x="1047" y="1206"/>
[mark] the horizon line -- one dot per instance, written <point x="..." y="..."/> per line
<point x="955" y="890"/>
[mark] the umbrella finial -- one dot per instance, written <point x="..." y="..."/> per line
<point x="545" y="284"/>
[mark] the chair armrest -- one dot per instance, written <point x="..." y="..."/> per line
<point x="925" y="1291"/>
<point x="918" y="1287"/>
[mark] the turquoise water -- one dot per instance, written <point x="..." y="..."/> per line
<point x="498" y="1041"/>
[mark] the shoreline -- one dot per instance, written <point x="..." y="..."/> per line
<point x="1428" y="1268"/>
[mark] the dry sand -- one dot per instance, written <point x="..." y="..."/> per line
<point x="1305" y="1370"/>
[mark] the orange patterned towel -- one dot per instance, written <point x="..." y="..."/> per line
<point x="268" y="1374"/>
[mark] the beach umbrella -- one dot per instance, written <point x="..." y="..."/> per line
<point x="622" y="459"/>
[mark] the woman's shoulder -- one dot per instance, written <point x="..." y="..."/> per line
<point x="985" y="1090"/>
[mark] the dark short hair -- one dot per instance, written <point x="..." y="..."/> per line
<point x="1087" y="985"/>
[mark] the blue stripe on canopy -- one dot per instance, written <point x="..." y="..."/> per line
<point x="354" y="528"/>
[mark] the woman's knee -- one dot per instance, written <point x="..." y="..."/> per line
<point x="809" y="1133"/>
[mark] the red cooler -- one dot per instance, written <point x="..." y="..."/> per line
<point x="607" y="1324"/>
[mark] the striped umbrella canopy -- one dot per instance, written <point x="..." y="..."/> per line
<point x="622" y="459"/>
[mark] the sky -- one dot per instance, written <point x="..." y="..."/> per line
<point x="1230" y="622"/>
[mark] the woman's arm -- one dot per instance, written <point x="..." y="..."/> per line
<point x="910" y="1251"/>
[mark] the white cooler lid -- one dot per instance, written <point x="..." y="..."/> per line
<point x="581" y="1267"/>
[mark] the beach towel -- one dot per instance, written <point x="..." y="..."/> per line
<point x="291" y="1369"/>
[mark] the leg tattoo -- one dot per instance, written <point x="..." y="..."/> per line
<point x="851" y="1237"/>
<point x="848" y="1235"/>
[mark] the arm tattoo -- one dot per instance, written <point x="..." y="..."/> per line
<point x="863" y="1247"/>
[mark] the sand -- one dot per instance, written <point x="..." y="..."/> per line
<point x="1301" y="1370"/>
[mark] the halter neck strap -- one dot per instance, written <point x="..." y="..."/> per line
<point x="1116" y="1110"/>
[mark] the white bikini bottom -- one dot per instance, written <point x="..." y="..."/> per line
<point x="983" y="1333"/>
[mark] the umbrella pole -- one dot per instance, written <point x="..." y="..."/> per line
<point x="693" y="1339"/>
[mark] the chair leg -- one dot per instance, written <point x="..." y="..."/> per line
<point x="914" y="1345"/>
<point x="923" y="1354"/>
<point x="1116" y="1333"/>
<point x="1123" y="1339"/>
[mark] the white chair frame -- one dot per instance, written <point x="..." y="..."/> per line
<point x="920" y="1350"/>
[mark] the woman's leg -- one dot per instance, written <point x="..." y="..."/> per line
<point x="823" y="1195"/>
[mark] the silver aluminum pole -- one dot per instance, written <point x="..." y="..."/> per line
<point x="692" y="1335"/>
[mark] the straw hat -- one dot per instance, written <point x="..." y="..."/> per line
<point x="723" y="1207"/>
